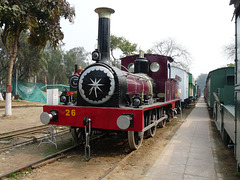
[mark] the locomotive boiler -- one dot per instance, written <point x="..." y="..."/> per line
<point x="135" y="99"/>
<point x="103" y="85"/>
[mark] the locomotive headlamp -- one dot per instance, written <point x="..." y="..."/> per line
<point x="137" y="101"/>
<point x="64" y="98"/>
<point x="96" y="55"/>
<point x="73" y="82"/>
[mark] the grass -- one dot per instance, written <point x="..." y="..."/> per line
<point x="17" y="100"/>
<point x="21" y="172"/>
<point x="14" y="175"/>
<point x="4" y="134"/>
<point x="52" y="151"/>
<point x="64" y="146"/>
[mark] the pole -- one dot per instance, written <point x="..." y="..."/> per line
<point x="16" y="82"/>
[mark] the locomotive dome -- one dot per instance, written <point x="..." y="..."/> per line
<point x="96" y="85"/>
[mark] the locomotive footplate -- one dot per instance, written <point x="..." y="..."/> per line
<point x="121" y="119"/>
<point x="127" y="119"/>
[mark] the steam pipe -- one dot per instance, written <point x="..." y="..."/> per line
<point x="104" y="32"/>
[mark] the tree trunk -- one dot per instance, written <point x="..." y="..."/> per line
<point x="12" y="50"/>
<point x="8" y="105"/>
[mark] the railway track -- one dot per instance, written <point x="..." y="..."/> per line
<point x="37" y="162"/>
<point x="31" y="133"/>
<point x="59" y="155"/>
<point x="48" y="159"/>
<point x="116" y="165"/>
<point x="23" y="131"/>
<point x="62" y="154"/>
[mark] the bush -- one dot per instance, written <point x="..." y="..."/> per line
<point x="16" y="97"/>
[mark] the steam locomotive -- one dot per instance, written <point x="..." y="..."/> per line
<point x="136" y="99"/>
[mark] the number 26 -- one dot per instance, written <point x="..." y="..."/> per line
<point x="69" y="112"/>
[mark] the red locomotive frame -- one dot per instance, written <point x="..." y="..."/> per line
<point x="103" y="117"/>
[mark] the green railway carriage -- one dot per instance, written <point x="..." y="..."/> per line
<point x="193" y="88"/>
<point x="221" y="83"/>
<point x="219" y="95"/>
<point x="191" y="85"/>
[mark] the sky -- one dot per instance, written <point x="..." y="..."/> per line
<point x="202" y="27"/>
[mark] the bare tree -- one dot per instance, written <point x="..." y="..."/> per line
<point x="229" y="50"/>
<point x="169" y="47"/>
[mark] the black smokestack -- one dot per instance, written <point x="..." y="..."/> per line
<point x="104" y="32"/>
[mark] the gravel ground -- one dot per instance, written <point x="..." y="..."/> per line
<point x="105" y="154"/>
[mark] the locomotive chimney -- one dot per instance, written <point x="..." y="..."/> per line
<point x="103" y="52"/>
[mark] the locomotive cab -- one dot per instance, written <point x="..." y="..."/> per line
<point x="156" y="68"/>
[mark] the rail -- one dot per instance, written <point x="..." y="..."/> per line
<point x="23" y="131"/>
<point x="34" y="164"/>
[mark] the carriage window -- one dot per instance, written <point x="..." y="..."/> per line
<point x="154" y="67"/>
<point x="131" y="67"/>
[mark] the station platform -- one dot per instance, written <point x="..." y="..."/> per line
<point x="189" y="155"/>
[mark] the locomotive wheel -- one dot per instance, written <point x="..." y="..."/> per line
<point x="135" y="139"/>
<point x="179" y="110"/>
<point x="162" y="124"/>
<point x="169" y="118"/>
<point x="78" y="134"/>
<point x="152" y="131"/>
<point x="169" y="113"/>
